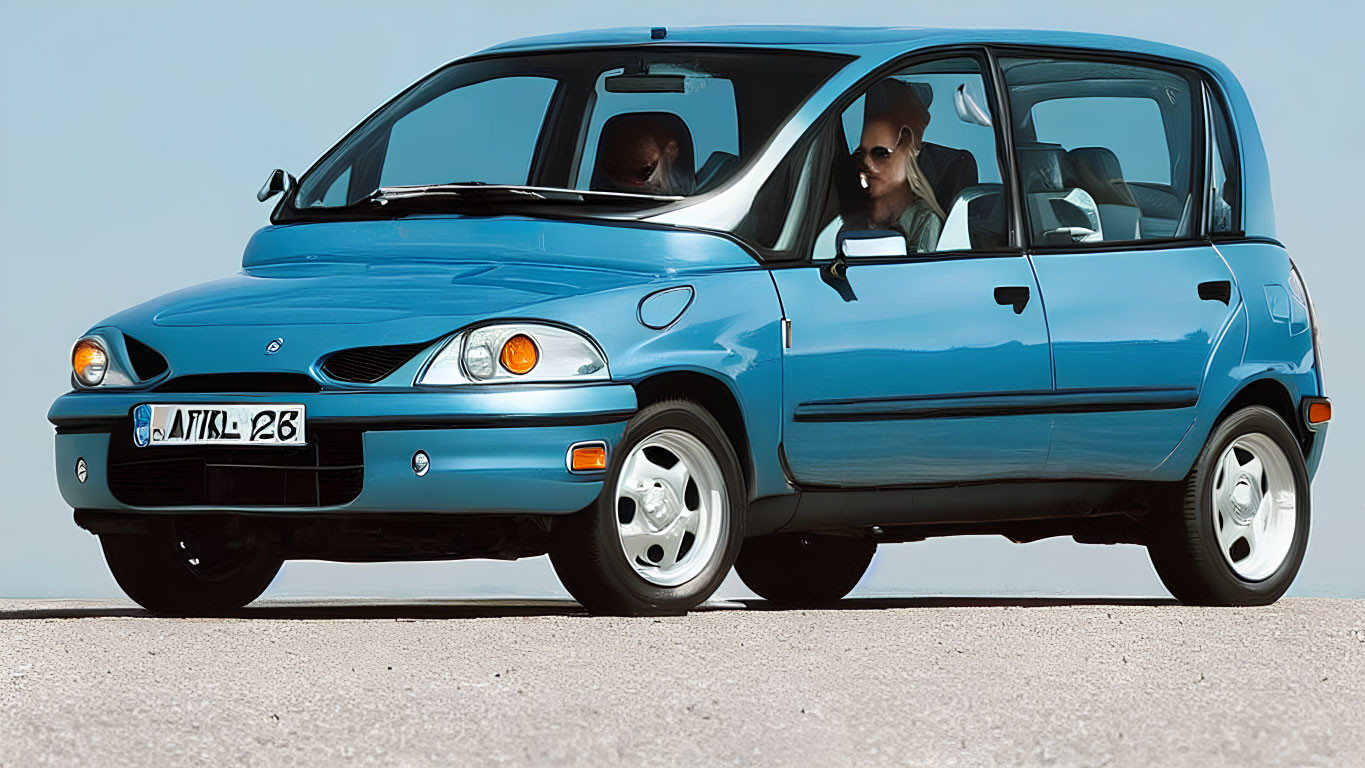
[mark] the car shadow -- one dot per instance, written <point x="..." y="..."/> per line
<point x="417" y="610"/>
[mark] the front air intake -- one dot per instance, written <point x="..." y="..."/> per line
<point x="366" y="365"/>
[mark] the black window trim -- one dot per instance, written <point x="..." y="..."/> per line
<point x="1214" y="95"/>
<point x="1190" y="71"/>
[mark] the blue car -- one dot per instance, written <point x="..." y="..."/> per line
<point x="659" y="302"/>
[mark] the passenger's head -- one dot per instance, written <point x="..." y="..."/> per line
<point x="649" y="153"/>
<point x="894" y="119"/>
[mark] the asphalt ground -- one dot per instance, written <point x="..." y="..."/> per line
<point x="941" y="682"/>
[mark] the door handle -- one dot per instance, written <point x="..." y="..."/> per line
<point x="1216" y="290"/>
<point x="1012" y="296"/>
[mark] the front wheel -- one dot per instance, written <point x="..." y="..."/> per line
<point x="665" y="530"/>
<point x="180" y="571"/>
<point x="1241" y="532"/>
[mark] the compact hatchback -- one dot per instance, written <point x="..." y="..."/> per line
<point x="658" y="302"/>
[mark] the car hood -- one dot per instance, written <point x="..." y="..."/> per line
<point x="323" y="287"/>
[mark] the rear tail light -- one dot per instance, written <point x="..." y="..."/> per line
<point x="1300" y="291"/>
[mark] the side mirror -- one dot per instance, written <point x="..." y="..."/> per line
<point x="863" y="243"/>
<point x="277" y="182"/>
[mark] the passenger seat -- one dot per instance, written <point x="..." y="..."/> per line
<point x="1059" y="214"/>
<point x="1097" y="171"/>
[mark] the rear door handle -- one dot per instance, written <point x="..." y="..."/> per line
<point x="1012" y="296"/>
<point x="1216" y="290"/>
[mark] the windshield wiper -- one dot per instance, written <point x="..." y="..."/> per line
<point x="479" y="193"/>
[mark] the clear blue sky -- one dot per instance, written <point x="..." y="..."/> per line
<point x="134" y="136"/>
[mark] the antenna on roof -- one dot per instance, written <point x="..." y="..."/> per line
<point x="658" y="33"/>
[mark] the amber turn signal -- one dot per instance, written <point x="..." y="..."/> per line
<point x="89" y="361"/>
<point x="1319" y="412"/>
<point x="588" y="458"/>
<point x="519" y="354"/>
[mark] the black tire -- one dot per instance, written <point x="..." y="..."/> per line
<point x="1184" y="546"/>
<point x="586" y="548"/>
<point x="155" y="569"/>
<point x="804" y="569"/>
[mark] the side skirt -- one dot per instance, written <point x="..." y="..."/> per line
<point x="1103" y="512"/>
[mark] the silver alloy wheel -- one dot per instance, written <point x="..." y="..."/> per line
<point x="1254" y="506"/>
<point x="671" y="507"/>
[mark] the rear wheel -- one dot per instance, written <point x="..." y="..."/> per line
<point x="804" y="568"/>
<point x="664" y="532"/>
<point x="181" y="572"/>
<point x="1241" y="532"/>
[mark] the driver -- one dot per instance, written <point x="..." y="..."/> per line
<point x="641" y="154"/>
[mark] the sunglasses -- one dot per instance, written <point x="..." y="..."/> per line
<point x="878" y="153"/>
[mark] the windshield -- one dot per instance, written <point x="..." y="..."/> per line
<point x="647" y="125"/>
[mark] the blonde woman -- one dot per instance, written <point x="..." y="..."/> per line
<point x="899" y="196"/>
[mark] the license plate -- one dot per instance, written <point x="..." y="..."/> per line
<point x="218" y="424"/>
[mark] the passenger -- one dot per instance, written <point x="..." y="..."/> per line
<point x="899" y="196"/>
<point x="644" y="154"/>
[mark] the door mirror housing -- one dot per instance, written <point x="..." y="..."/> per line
<point x="862" y="243"/>
<point x="277" y="182"/>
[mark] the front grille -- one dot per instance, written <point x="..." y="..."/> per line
<point x="241" y="382"/>
<point x="147" y="362"/>
<point x="327" y="471"/>
<point x="366" y="365"/>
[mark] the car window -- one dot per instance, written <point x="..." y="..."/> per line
<point x="1105" y="150"/>
<point x="437" y="143"/>
<point x="916" y="154"/>
<point x="649" y="122"/>
<point x="704" y="123"/>
<point x="1225" y="185"/>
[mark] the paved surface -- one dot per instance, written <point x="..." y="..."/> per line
<point x="905" y="682"/>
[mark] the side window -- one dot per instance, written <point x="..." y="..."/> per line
<point x="1105" y="150"/>
<point x="916" y="154"/>
<point x="1225" y="181"/>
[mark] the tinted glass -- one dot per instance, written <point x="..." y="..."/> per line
<point x="916" y="154"/>
<point x="704" y="130"/>
<point x="1106" y="150"/>
<point x="658" y="121"/>
<point x="1225" y="184"/>
<point x="437" y="143"/>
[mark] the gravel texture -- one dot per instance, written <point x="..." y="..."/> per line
<point x="890" y="682"/>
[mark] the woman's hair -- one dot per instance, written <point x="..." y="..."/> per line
<point x="899" y="102"/>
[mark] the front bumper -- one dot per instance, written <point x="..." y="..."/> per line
<point x="494" y="449"/>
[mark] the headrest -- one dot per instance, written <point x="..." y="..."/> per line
<point x="1040" y="167"/>
<point x="1097" y="171"/>
<point x="620" y="133"/>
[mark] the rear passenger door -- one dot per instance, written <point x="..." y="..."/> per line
<point x="1110" y="157"/>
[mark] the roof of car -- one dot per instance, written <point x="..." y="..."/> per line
<point x="848" y="40"/>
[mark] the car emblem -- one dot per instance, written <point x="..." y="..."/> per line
<point x="274" y="346"/>
<point x="81" y="471"/>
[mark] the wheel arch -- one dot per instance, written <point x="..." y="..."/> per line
<point x="1273" y="394"/>
<point x="714" y="394"/>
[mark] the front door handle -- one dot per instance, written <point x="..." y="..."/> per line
<point x="1216" y="290"/>
<point x="1012" y="296"/>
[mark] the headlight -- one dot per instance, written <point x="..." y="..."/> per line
<point x="100" y="361"/>
<point x="515" y="352"/>
<point x="89" y="361"/>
